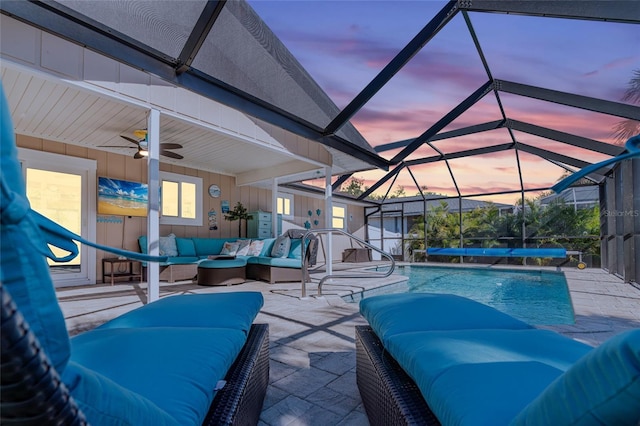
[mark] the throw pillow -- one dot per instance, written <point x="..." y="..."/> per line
<point x="243" y="247"/>
<point x="255" y="248"/>
<point x="281" y="246"/>
<point x="168" y="246"/>
<point x="229" y="248"/>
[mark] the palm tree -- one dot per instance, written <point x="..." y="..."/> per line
<point x="629" y="128"/>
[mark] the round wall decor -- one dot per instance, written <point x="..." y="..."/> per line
<point x="214" y="191"/>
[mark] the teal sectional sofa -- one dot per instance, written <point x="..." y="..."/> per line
<point x="185" y="254"/>
<point x="444" y="359"/>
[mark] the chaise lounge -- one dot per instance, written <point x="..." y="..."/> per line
<point x="443" y="359"/>
<point x="183" y="360"/>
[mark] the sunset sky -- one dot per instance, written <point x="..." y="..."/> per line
<point x="345" y="44"/>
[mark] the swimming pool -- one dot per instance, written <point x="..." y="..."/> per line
<point x="534" y="296"/>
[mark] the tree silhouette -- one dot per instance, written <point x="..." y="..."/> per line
<point x="626" y="129"/>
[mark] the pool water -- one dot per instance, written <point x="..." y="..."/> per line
<point x="534" y="296"/>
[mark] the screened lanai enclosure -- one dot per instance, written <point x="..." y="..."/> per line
<point x="457" y="117"/>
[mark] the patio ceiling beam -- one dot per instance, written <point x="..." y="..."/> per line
<point x="342" y="179"/>
<point x="55" y="18"/>
<point x="444" y="121"/>
<point x="393" y="67"/>
<point x="460" y="154"/>
<point x="567" y="138"/>
<point x="478" y="128"/>
<point x="59" y="20"/>
<point x="198" y="35"/>
<point x="226" y="94"/>
<point x="382" y="180"/>
<point x="577" y="101"/>
<point x="611" y="11"/>
<point x="550" y="155"/>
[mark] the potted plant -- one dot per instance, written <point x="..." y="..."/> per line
<point x="238" y="213"/>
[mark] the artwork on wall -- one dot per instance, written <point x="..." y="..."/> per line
<point x="121" y="197"/>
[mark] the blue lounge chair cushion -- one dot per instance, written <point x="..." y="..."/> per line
<point x="24" y="272"/>
<point x="602" y="388"/>
<point x="235" y="310"/>
<point x="175" y="368"/>
<point x="105" y="403"/>
<point x="391" y="314"/>
<point x="475" y="376"/>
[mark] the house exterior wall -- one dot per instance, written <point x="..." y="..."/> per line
<point x="125" y="234"/>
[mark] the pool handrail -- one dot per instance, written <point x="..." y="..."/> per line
<point x="332" y="276"/>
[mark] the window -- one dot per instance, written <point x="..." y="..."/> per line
<point x="285" y="206"/>
<point x="338" y="217"/>
<point x="181" y="199"/>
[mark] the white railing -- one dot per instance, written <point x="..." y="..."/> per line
<point x="330" y="231"/>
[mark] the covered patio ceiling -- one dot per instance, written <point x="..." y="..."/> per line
<point x="224" y="51"/>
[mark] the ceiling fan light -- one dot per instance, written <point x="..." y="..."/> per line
<point x="143" y="153"/>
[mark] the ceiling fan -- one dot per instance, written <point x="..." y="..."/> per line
<point x="141" y="145"/>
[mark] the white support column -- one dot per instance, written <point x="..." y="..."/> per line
<point x="328" y="216"/>
<point x="153" y="213"/>
<point x="274" y="206"/>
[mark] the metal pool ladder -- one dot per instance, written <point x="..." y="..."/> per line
<point x="331" y="231"/>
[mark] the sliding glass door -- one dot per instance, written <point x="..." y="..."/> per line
<point x="62" y="188"/>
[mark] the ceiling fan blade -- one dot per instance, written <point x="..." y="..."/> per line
<point x="130" y="139"/>
<point x="167" y="145"/>
<point x="171" y="154"/>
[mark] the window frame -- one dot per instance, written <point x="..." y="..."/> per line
<point x="344" y="218"/>
<point x="179" y="220"/>
<point x="289" y="197"/>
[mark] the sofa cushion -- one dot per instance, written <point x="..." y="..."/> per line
<point x="230" y="248"/>
<point x="267" y="246"/>
<point x="601" y="388"/>
<point x="235" y="310"/>
<point x="176" y="368"/>
<point x="168" y="246"/>
<point x="255" y="248"/>
<point x="142" y="243"/>
<point x="186" y="247"/>
<point x="238" y="262"/>
<point x="281" y="246"/>
<point x="391" y="314"/>
<point x="180" y="260"/>
<point x="243" y="247"/>
<point x="295" y="251"/>
<point x="105" y="403"/>
<point x="483" y="376"/>
<point x="206" y="246"/>
<point x="277" y="262"/>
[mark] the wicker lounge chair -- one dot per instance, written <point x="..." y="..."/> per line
<point x="33" y="393"/>
<point x="389" y="395"/>
<point x="430" y="359"/>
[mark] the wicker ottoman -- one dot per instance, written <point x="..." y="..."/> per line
<point x="222" y="272"/>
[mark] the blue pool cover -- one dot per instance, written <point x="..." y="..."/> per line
<point x="499" y="252"/>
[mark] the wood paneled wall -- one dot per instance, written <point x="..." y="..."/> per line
<point x="125" y="234"/>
